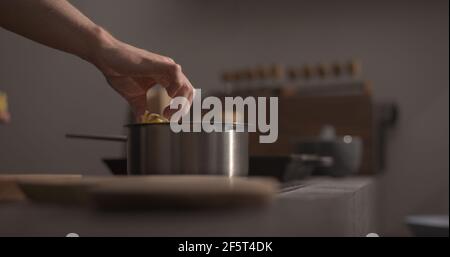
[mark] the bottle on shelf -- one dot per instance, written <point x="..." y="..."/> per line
<point x="292" y="74"/>
<point x="306" y="75"/>
<point x="247" y="80"/>
<point x="336" y="69"/>
<point x="237" y="82"/>
<point x="255" y="79"/>
<point x="227" y="80"/>
<point x="278" y="73"/>
<point x="353" y="69"/>
<point x="264" y="80"/>
<point x="276" y="79"/>
<point x="325" y="74"/>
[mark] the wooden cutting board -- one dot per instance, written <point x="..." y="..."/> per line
<point x="10" y="191"/>
<point x="153" y="192"/>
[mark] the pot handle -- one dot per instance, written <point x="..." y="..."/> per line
<point x="117" y="138"/>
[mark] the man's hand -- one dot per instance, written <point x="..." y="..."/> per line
<point x="129" y="70"/>
<point x="132" y="71"/>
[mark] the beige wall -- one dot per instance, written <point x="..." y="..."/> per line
<point x="403" y="44"/>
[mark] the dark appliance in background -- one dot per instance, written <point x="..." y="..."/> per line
<point x="289" y="168"/>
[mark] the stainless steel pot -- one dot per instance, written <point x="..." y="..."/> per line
<point x="156" y="149"/>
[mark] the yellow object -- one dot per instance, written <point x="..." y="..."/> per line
<point x="153" y="118"/>
<point x="3" y="102"/>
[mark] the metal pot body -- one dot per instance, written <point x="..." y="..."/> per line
<point x="156" y="149"/>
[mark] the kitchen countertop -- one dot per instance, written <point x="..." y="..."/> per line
<point x="321" y="207"/>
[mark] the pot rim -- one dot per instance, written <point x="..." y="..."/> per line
<point x="168" y="123"/>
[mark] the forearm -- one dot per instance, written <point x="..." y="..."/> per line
<point x="129" y="70"/>
<point x="55" y="23"/>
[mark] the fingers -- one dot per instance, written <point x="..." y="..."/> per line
<point x="135" y="93"/>
<point x="145" y="66"/>
<point x="132" y="71"/>
<point x="174" y="79"/>
<point x="187" y="93"/>
<point x="177" y="85"/>
<point x="145" y="82"/>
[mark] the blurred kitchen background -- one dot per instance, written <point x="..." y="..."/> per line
<point x="400" y="47"/>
